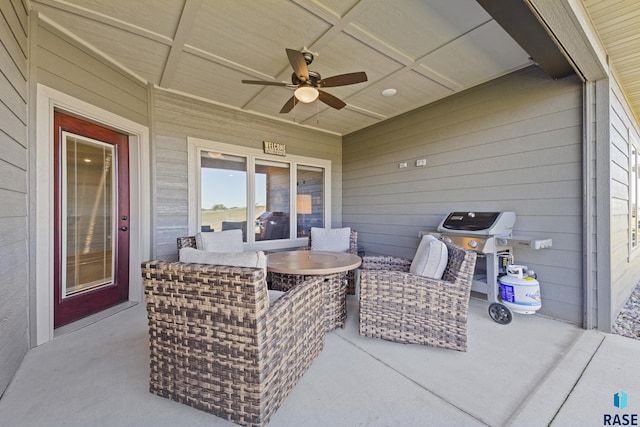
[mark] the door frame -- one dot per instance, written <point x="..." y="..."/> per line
<point x="41" y="253"/>
<point x="114" y="287"/>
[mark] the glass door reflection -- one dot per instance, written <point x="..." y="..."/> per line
<point x="89" y="213"/>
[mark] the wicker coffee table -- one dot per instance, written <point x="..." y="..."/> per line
<point x="290" y="268"/>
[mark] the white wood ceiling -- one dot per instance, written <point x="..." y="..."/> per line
<point x="426" y="50"/>
<point x="618" y="25"/>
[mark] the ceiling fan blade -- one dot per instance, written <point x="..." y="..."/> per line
<point x="331" y="100"/>
<point x="288" y="106"/>
<point x="343" y="79"/>
<point x="264" y="82"/>
<point x="299" y="64"/>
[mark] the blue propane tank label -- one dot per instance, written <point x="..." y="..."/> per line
<point x="507" y="293"/>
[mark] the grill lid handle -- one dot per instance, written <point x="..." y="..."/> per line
<point x="470" y="221"/>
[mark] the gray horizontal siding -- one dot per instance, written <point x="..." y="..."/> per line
<point x="177" y="117"/>
<point x="625" y="268"/>
<point x="511" y="144"/>
<point x="67" y="66"/>
<point x="14" y="282"/>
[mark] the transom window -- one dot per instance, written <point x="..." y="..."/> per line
<point x="274" y="200"/>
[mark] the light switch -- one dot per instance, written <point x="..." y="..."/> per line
<point x="421" y="162"/>
<point x="402" y="165"/>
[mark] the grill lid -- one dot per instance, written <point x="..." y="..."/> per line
<point x="480" y="223"/>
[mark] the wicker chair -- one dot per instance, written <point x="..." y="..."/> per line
<point x="353" y="249"/>
<point x="398" y="306"/>
<point x="217" y="344"/>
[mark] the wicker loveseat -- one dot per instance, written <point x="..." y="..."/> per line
<point x="398" y="306"/>
<point x="219" y="345"/>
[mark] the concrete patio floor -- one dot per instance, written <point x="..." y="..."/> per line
<point x="534" y="372"/>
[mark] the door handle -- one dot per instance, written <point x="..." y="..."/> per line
<point x="124" y="217"/>
<point x="124" y="228"/>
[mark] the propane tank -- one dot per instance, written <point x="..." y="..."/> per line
<point x="519" y="290"/>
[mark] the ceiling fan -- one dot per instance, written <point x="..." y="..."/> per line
<point x="307" y="83"/>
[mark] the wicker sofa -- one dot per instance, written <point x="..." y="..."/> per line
<point x="219" y="345"/>
<point x="398" y="306"/>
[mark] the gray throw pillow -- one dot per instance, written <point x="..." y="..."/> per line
<point x="430" y="259"/>
<point x="330" y="239"/>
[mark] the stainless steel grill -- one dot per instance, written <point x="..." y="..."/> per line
<point x="477" y="231"/>
<point x="490" y="235"/>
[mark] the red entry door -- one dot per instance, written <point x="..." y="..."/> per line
<point x="91" y="221"/>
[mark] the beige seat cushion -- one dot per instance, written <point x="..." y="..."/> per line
<point x="431" y="258"/>
<point x="237" y="259"/>
<point x="330" y="239"/>
<point x="220" y="241"/>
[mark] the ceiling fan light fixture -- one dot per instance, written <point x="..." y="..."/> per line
<point x="306" y="94"/>
<point x="307" y="83"/>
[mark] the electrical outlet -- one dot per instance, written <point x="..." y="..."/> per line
<point x="421" y="162"/>
<point x="402" y="165"/>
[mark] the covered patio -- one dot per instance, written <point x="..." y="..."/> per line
<point x="480" y="124"/>
<point x="534" y="372"/>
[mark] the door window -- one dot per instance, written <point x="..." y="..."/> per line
<point x="310" y="198"/>
<point x="88" y="205"/>
<point x="273" y="200"/>
<point x="634" y="196"/>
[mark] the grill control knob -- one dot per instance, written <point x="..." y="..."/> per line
<point x="473" y="244"/>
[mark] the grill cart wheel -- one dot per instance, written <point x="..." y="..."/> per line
<point x="500" y="313"/>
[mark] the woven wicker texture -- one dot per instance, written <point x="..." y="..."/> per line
<point x="217" y="345"/>
<point x="333" y="288"/>
<point x="402" y="307"/>
<point x="186" y="242"/>
<point x="353" y="249"/>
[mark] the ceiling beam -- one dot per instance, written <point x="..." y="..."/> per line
<point x="523" y="25"/>
<point x="183" y="30"/>
<point x="105" y="19"/>
<point x="570" y="23"/>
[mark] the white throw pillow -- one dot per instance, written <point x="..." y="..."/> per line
<point x="220" y="241"/>
<point x="330" y="239"/>
<point x="431" y="258"/>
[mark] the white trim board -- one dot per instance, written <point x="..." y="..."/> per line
<point x="140" y="205"/>
<point x="194" y="145"/>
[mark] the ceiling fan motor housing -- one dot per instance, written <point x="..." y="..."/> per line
<point x="308" y="56"/>
<point x="314" y="77"/>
